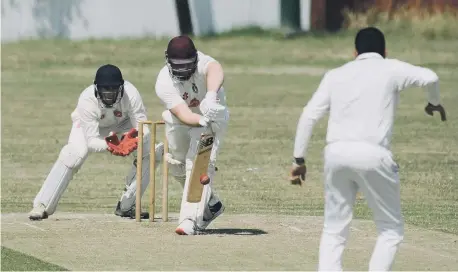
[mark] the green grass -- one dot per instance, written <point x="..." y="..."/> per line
<point x="16" y="261"/>
<point x="41" y="81"/>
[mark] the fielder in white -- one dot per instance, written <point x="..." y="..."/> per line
<point x="361" y="98"/>
<point x="110" y="106"/>
<point x="190" y="87"/>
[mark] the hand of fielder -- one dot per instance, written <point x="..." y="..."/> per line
<point x="297" y="175"/>
<point x="430" y="109"/>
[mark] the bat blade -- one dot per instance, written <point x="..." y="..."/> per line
<point x="199" y="168"/>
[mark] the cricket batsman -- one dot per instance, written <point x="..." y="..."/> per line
<point x="190" y="88"/>
<point x="361" y="98"/>
<point x="105" y="120"/>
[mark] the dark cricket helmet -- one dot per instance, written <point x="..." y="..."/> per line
<point x="181" y="58"/>
<point x="109" y="85"/>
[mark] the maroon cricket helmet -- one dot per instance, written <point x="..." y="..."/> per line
<point x="181" y="58"/>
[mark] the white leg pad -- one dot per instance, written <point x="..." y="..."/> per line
<point x="69" y="162"/>
<point x="195" y="211"/>
<point x="209" y="198"/>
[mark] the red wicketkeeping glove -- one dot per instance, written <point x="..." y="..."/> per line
<point x="129" y="142"/>
<point x="113" y="144"/>
<point x="117" y="150"/>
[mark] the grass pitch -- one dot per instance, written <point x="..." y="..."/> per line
<point x="268" y="82"/>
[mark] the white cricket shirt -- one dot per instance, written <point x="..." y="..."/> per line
<point x="91" y="115"/>
<point x="173" y="92"/>
<point x="361" y="98"/>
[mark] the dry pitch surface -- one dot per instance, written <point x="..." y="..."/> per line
<point x="233" y="242"/>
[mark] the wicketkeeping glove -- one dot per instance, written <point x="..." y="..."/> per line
<point x="128" y="143"/>
<point x="112" y="138"/>
<point x="112" y="141"/>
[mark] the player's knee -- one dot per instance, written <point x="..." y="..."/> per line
<point x="177" y="170"/>
<point x="189" y="164"/>
<point x="211" y="169"/>
<point x="73" y="156"/>
<point x="176" y="165"/>
<point x="392" y="230"/>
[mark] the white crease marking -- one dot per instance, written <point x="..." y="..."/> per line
<point x="291" y="227"/>
<point x="296" y="229"/>
<point x="32" y="226"/>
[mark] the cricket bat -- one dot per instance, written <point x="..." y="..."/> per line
<point x="200" y="168"/>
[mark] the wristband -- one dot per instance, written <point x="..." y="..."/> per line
<point x="299" y="161"/>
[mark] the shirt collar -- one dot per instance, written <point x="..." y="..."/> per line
<point x="370" y="55"/>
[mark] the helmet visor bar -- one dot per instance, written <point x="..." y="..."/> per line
<point x="109" y="94"/>
<point x="183" y="68"/>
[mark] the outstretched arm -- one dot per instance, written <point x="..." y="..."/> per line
<point x="185" y="115"/>
<point x="178" y="106"/>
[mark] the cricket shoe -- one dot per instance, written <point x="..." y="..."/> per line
<point x="187" y="227"/>
<point x="215" y="210"/>
<point x="38" y="213"/>
<point x="129" y="213"/>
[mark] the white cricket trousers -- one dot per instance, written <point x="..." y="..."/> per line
<point x="353" y="166"/>
<point x="71" y="159"/>
<point x="183" y="142"/>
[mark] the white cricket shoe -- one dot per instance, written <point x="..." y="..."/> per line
<point x="38" y="213"/>
<point x="187" y="227"/>
<point x="215" y="211"/>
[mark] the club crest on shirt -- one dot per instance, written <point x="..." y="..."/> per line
<point x="185" y="96"/>
<point x="102" y="116"/>
<point x="194" y="88"/>
<point x="117" y="113"/>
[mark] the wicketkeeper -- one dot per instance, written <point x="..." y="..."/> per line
<point x="105" y="120"/>
<point x="190" y="87"/>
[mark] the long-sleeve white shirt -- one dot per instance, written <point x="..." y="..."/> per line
<point x="361" y="98"/>
<point x="91" y="116"/>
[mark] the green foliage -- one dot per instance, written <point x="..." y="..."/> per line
<point x="407" y="22"/>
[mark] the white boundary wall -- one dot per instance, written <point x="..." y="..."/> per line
<point x="82" y="19"/>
